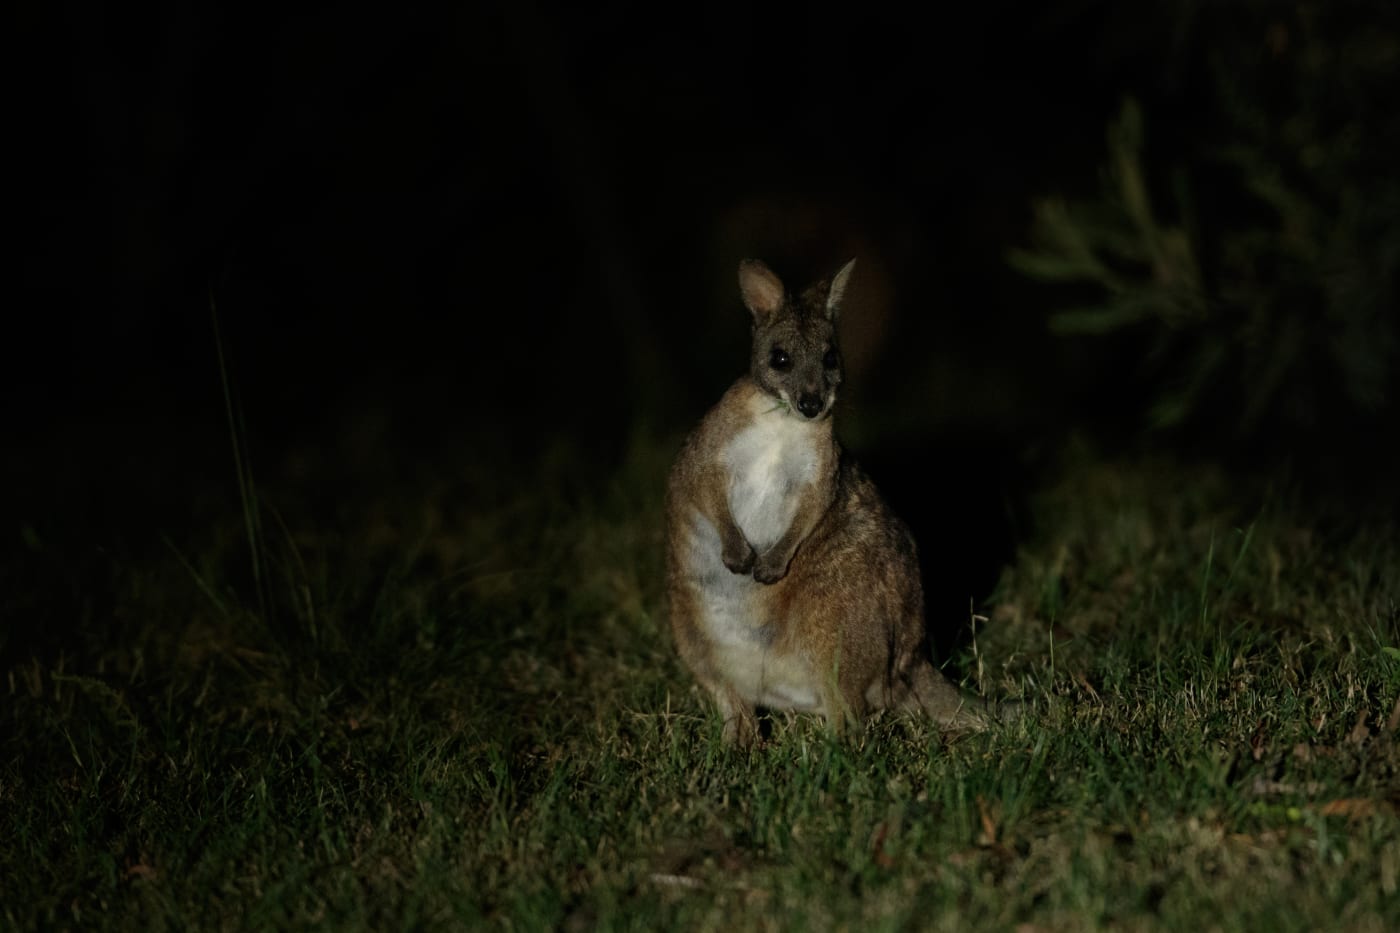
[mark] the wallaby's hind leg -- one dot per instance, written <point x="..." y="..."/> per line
<point x="843" y="705"/>
<point x="740" y="722"/>
<point x="938" y="698"/>
<point x="843" y="711"/>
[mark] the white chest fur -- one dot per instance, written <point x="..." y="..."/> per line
<point x="770" y="462"/>
<point x="738" y="631"/>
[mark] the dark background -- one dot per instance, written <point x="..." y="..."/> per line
<point x="513" y="228"/>
<point x="507" y="210"/>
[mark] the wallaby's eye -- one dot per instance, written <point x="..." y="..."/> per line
<point x="779" y="359"/>
<point x="831" y="360"/>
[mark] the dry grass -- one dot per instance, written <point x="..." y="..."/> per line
<point x="461" y="708"/>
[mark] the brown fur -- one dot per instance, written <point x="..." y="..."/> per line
<point x="829" y="616"/>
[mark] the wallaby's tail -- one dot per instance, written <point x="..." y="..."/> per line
<point x="955" y="709"/>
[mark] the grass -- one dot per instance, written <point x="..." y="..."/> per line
<point x="459" y="707"/>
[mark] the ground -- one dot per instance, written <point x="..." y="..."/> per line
<point x="448" y="699"/>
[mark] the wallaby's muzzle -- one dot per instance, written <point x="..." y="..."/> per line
<point x="810" y="404"/>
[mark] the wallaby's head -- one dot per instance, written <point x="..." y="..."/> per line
<point x="795" y="356"/>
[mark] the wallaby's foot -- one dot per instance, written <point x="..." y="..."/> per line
<point x="740" y="721"/>
<point x="741" y="731"/>
<point x="1006" y="712"/>
<point x="970" y="716"/>
<point x="976" y="714"/>
<point x="844" y="713"/>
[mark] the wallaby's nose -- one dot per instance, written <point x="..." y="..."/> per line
<point x="809" y="404"/>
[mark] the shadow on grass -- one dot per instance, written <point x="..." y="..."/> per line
<point x="963" y="495"/>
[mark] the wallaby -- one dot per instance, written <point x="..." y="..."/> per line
<point x="792" y="585"/>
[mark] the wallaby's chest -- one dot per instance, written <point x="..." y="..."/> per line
<point x="770" y="464"/>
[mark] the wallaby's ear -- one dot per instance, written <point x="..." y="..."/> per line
<point x="763" y="292"/>
<point x="838" y="290"/>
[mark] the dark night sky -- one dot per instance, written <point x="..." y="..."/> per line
<point x="500" y="193"/>
<point x="506" y="218"/>
<point x="457" y="243"/>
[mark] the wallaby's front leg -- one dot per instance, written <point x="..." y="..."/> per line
<point x="772" y="565"/>
<point x="736" y="552"/>
<point x="734" y="549"/>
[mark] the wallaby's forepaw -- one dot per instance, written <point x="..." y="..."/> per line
<point x="769" y="570"/>
<point x="739" y="562"/>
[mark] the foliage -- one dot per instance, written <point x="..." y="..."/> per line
<point x="1264" y="297"/>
